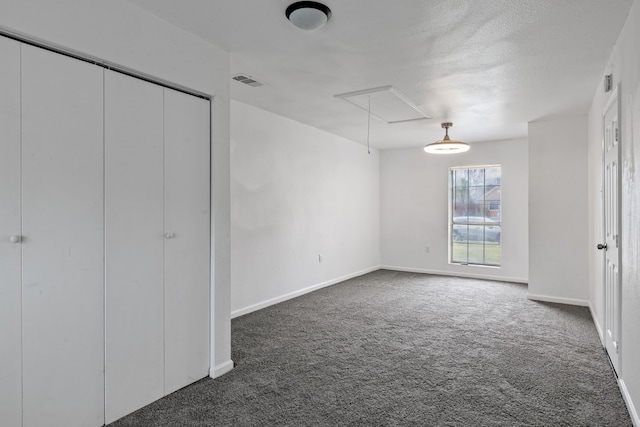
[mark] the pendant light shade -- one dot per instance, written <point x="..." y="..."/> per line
<point x="308" y="15"/>
<point x="446" y="145"/>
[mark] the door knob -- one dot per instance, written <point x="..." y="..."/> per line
<point x="169" y="235"/>
<point x="15" y="239"/>
<point x="601" y="246"/>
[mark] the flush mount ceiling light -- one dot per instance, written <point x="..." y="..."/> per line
<point x="446" y="145"/>
<point x="308" y="15"/>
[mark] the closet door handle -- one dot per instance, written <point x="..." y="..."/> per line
<point x="169" y="235"/>
<point x="15" y="239"/>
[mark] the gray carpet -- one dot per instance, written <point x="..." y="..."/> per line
<point x="393" y="349"/>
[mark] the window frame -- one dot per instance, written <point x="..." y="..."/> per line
<point x="478" y="221"/>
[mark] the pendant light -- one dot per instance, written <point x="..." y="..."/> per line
<point x="446" y="145"/>
<point x="308" y="15"/>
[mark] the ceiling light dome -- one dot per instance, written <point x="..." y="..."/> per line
<point x="446" y="145"/>
<point x="308" y="15"/>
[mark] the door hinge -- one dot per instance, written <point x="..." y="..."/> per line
<point x="608" y="82"/>
<point x="617" y="136"/>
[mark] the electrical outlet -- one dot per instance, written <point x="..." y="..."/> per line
<point x="427" y="249"/>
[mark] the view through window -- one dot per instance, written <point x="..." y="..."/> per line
<point x="476" y="214"/>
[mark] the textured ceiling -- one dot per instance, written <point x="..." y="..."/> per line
<point x="489" y="66"/>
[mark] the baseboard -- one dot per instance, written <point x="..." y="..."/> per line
<point x="627" y="399"/>
<point x="595" y="322"/>
<point x="559" y="300"/>
<point x="221" y="369"/>
<point x="456" y="274"/>
<point x="291" y="295"/>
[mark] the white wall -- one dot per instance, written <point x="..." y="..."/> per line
<point x="414" y="209"/>
<point x="625" y="67"/>
<point x="121" y="34"/>
<point x="558" y="211"/>
<point x="297" y="193"/>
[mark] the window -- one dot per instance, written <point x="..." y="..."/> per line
<point x="475" y="222"/>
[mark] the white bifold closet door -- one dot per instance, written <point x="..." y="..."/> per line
<point x="187" y="252"/>
<point x="10" y="230"/>
<point x="63" y="243"/>
<point x="157" y="242"/>
<point x="134" y="370"/>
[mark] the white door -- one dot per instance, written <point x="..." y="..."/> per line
<point x="186" y="248"/>
<point x="10" y="230"/>
<point x="611" y="215"/>
<point x="134" y="367"/>
<point x="62" y="247"/>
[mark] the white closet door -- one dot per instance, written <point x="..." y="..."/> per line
<point x="134" y="370"/>
<point x="63" y="277"/>
<point x="186" y="250"/>
<point x="10" y="229"/>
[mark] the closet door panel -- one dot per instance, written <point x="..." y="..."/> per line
<point x="134" y="370"/>
<point x="63" y="277"/>
<point x="187" y="257"/>
<point x="10" y="251"/>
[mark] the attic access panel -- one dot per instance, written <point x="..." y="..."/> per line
<point x="388" y="104"/>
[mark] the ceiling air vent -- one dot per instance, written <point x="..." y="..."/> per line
<point x="243" y="78"/>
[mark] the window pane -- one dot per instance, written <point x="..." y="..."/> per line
<point x="461" y="177"/>
<point x="461" y="201"/>
<point x="492" y="176"/>
<point x="476" y="201"/>
<point x="492" y="234"/>
<point x="476" y="253"/>
<point x="493" y="253"/>
<point x="460" y="193"/>
<point x="459" y="252"/>
<point x="476" y="177"/>
<point x="459" y="233"/>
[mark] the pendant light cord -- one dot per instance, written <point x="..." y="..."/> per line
<point x="369" y="126"/>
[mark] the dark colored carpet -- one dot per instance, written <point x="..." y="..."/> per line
<point x="390" y="349"/>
